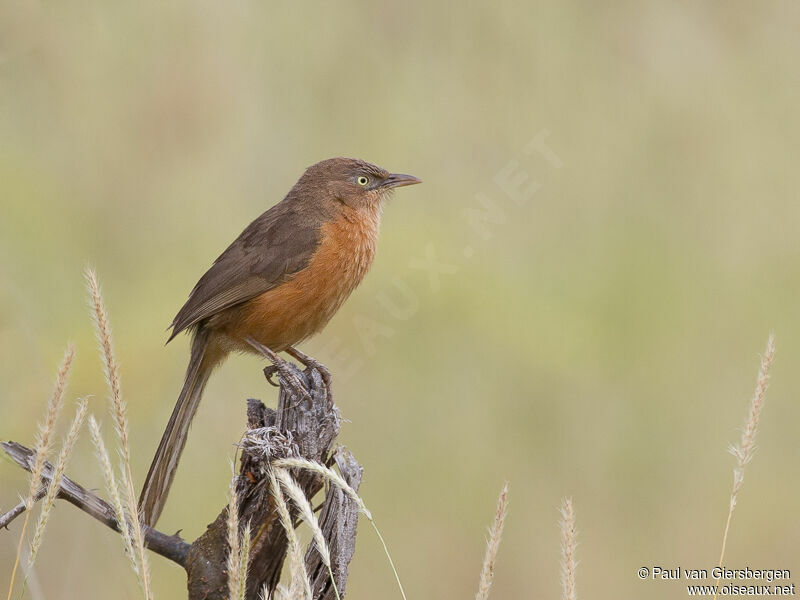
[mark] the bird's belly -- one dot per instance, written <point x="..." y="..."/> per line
<point x="303" y="305"/>
<point x="287" y="314"/>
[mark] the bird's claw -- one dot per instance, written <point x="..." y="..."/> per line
<point x="286" y="377"/>
<point x="283" y="369"/>
<point x="313" y="363"/>
<point x="269" y="373"/>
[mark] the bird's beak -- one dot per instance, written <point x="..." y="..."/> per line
<point x="399" y="180"/>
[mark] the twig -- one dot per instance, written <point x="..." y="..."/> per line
<point x="20" y="508"/>
<point x="171" y="547"/>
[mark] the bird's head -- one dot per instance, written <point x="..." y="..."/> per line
<point x="353" y="183"/>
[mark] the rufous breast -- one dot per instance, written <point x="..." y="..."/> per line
<point x="301" y="306"/>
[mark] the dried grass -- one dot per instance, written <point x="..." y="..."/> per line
<point x="337" y="480"/>
<point x="569" y="544"/>
<point x="297" y="496"/>
<point x="493" y="545"/>
<point x="44" y="440"/>
<point x="119" y="413"/>
<point x="327" y="473"/>
<point x="244" y="559"/>
<point x="55" y="481"/>
<point x="299" y="585"/>
<point x="112" y="488"/>
<point x="234" y="571"/>
<point x="747" y="445"/>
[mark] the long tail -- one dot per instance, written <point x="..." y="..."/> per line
<point x="165" y="462"/>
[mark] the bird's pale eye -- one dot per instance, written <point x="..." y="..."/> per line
<point x="362" y="180"/>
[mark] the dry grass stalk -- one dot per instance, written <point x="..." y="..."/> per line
<point x="113" y="490"/>
<point x="55" y="482"/>
<point x="338" y="480"/>
<point x="44" y="439"/>
<point x="234" y="572"/>
<point x="492" y="545"/>
<point x="299" y="585"/>
<point x="327" y="473"/>
<point x="747" y="445"/>
<point x="569" y="544"/>
<point x="244" y="559"/>
<point x="307" y="513"/>
<point x="119" y="412"/>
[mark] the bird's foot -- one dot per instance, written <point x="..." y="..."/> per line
<point x="283" y="370"/>
<point x="312" y="363"/>
<point x="287" y="378"/>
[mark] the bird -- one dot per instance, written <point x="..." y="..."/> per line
<point x="277" y="284"/>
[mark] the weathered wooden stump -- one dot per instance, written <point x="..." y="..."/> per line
<point x="300" y="427"/>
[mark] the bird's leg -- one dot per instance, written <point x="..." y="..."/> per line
<point x="283" y="369"/>
<point x="307" y="361"/>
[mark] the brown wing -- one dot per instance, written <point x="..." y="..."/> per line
<point x="269" y="251"/>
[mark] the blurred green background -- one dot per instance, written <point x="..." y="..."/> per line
<point x="600" y="340"/>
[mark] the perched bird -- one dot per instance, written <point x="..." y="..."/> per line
<point x="278" y="283"/>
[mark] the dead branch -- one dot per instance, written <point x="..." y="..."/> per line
<point x="169" y="546"/>
<point x="299" y="428"/>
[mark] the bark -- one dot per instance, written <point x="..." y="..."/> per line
<point x="304" y="425"/>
